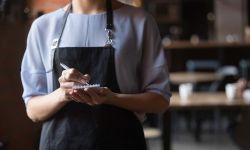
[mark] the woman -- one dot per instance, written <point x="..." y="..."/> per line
<point x="106" y="43"/>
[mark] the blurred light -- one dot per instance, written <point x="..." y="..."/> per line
<point x="26" y="10"/>
<point x="210" y="16"/>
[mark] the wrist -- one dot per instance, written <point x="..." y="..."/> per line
<point x="113" y="99"/>
<point x="62" y="95"/>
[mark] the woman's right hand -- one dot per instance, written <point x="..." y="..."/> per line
<point x="68" y="79"/>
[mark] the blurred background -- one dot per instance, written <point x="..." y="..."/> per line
<point x="207" y="48"/>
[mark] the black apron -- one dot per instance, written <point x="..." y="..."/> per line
<point x="79" y="126"/>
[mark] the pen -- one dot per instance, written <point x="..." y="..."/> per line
<point x="66" y="67"/>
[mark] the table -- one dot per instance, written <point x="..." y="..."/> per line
<point x="197" y="100"/>
<point x="206" y="99"/>
<point x="193" y="77"/>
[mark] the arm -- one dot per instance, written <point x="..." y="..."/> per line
<point x="151" y="102"/>
<point x="39" y="104"/>
<point x="40" y="108"/>
<point x="154" y="94"/>
<point x="145" y="102"/>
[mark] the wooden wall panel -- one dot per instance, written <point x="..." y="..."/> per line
<point x="16" y="130"/>
<point x="47" y="5"/>
<point x="231" y="19"/>
<point x="50" y="5"/>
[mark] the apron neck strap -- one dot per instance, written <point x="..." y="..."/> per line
<point x="109" y="10"/>
<point x="62" y="26"/>
<point x="110" y="26"/>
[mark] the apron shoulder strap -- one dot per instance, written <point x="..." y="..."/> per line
<point x="110" y="25"/>
<point x="56" y="42"/>
<point x="109" y="8"/>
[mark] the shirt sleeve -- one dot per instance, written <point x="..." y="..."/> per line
<point x="155" y="76"/>
<point x="33" y="74"/>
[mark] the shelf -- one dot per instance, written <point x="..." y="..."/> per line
<point x="202" y="44"/>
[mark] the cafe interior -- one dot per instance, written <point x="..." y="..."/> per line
<point x="206" y="43"/>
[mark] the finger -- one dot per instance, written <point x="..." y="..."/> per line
<point x="106" y="94"/>
<point x="68" y="94"/>
<point x="64" y="72"/>
<point x="84" y="97"/>
<point x="92" y="93"/>
<point x="76" y="98"/>
<point x="67" y="85"/>
<point x="103" y="91"/>
<point x="61" y="79"/>
<point x="71" y="96"/>
<point x="72" y="75"/>
<point x="84" y="79"/>
<point x="75" y="75"/>
<point x="87" y="77"/>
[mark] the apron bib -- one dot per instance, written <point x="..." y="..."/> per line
<point x="79" y="126"/>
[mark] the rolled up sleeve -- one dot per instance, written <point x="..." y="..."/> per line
<point x="155" y="76"/>
<point x="33" y="74"/>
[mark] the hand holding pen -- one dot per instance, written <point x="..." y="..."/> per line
<point x="83" y="82"/>
<point x="71" y="77"/>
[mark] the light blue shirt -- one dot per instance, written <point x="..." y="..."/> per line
<point x="139" y="57"/>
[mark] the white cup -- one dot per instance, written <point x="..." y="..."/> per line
<point x="230" y="90"/>
<point x="246" y="95"/>
<point x="185" y="90"/>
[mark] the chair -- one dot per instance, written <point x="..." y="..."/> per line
<point x="226" y="74"/>
<point x="193" y="116"/>
<point x="152" y="127"/>
<point x="202" y="65"/>
<point x="244" y="66"/>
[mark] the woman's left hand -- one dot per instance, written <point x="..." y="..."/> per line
<point x="94" y="96"/>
